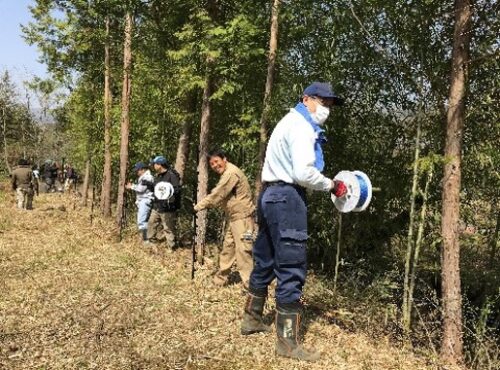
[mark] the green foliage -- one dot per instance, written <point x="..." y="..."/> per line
<point x="19" y="132"/>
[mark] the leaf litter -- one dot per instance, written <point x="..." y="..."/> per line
<point x="73" y="297"/>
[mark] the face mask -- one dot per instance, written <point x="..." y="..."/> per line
<point x="321" y="114"/>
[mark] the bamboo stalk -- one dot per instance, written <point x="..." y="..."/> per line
<point x="337" y="256"/>
<point x="406" y="318"/>
<point x="418" y="243"/>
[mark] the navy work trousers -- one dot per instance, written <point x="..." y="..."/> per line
<point x="280" y="248"/>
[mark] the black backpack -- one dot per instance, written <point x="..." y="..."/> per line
<point x="177" y="189"/>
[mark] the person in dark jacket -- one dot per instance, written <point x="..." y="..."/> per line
<point x="49" y="176"/>
<point x="166" y="202"/>
<point x="24" y="184"/>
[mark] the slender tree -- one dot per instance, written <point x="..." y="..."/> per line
<point x="4" y="130"/>
<point x="271" y="66"/>
<point x="125" y="117"/>
<point x="410" y="242"/>
<point x="182" y="156"/>
<point x="106" y="175"/>
<point x="6" y="92"/>
<point x="452" y="341"/>
<point x="86" y="182"/>
<point x="418" y="244"/>
<point x="202" y="169"/>
<point x="205" y="126"/>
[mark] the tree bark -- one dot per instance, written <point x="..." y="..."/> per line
<point x="206" y="117"/>
<point x="418" y="245"/>
<point x="182" y="156"/>
<point x="106" y="175"/>
<point x="203" y="164"/>
<point x="271" y="67"/>
<point x="452" y="339"/>
<point x="410" y="242"/>
<point x="494" y="241"/>
<point x="125" y="117"/>
<point x="86" y="182"/>
<point x="5" y="151"/>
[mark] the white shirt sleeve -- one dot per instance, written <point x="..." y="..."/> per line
<point x="141" y="187"/>
<point x="301" y="147"/>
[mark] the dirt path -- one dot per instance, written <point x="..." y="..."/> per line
<point x="71" y="297"/>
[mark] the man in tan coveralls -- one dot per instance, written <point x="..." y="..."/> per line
<point x="24" y="184"/>
<point x="233" y="194"/>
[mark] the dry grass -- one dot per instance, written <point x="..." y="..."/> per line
<point x="72" y="297"/>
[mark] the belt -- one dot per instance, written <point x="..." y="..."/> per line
<point x="276" y="183"/>
<point x="282" y="183"/>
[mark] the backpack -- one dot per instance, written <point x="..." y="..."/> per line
<point x="177" y="189"/>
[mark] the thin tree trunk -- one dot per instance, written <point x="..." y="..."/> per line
<point x="409" y="244"/>
<point x="125" y="118"/>
<point x="494" y="240"/>
<point x="271" y="66"/>
<point x="203" y="164"/>
<point x="337" y="255"/>
<point x="106" y="174"/>
<point x="23" y="128"/>
<point x="86" y="182"/>
<point x="5" y="151"/>
<point x="418" y="242"/>
<point x="202" y="169"/>
<point x="185" y="138"/>
<point x="452" y="339"/>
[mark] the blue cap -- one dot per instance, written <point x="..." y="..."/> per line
<point x="139" y="166"/>
<point x="160" y="160"/>
<point x="323" y="90"/>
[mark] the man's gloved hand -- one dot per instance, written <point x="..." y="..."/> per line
<point x="338" y="189"/>
<point x="197" y="208"/>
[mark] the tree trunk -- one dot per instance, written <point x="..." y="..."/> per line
<point x="452" y="341"/>
<point x="271" y="66"/>
<point x="5" y="151"/>
<point x="106" y="175"/>
<point x="418" y="244"/>
<point x="202" y="169"/>
<point x="494" y="241"/>
<point x="125" y="117"/>
<point x="185" y="137"/>
<point x="203" y="164"/>
<point x="86" y="182"/>
<point x="410" y="242"/>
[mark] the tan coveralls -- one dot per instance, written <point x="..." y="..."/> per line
<point x="25" y="185"/>
<point x="233" y="194"/>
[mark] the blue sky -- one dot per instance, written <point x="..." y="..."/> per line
<point x="15" y="55"/>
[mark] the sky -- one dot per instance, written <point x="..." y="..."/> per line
<point x="20" y="59"/>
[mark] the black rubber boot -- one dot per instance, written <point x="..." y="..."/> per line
<point x="288" y="321"/>
<point x="144" y="234"/>
<point x="252" y="317"/>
